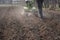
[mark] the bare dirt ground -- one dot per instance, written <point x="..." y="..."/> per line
<point x="15" y="25"/>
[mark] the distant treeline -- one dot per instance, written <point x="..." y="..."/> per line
<point x="51" y="3"/>
<point x="9" y="1"/>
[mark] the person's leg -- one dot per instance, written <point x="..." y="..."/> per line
<point x="27" y="3"/>
<point x="31" y="4"/>
<point x="40" y="8"/>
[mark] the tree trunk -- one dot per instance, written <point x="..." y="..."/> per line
<point x="53" y="4"/>
<point x="46" y="3"/>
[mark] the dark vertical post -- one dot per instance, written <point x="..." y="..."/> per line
<point x="40" y="4"/>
